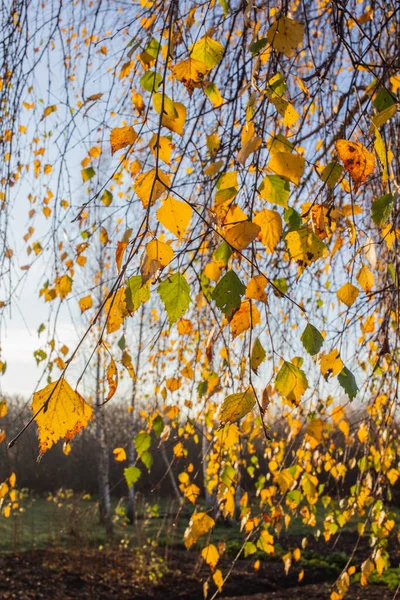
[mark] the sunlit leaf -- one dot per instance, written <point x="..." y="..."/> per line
<point x="207" y="51"/>
<point x="357" y="160"/>
<point x="120" y="137"/>
<point x="270" y="223"/>
<point x="285" y="35"/>
<point x="112" y="379"/>
<point x="291" y="382"/>
<point x="175" y="215"/>
<point x="236" y="406"/>
<point x="348" y="294"/>
<point x="63" y="413"/>
<point x="199" y="524"/>
<point x="119" y="454"/>
<point x="287" y="165"/>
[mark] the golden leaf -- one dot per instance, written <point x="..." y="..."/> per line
<point x="199" y="525"/>
<point x="63" y="286"/>
<point x="63" y="413"/>
<point x="175" y="216"/>
<point x="116" y="310"/>
<point x="287" y="165"/>
<point x="357" y="160"/>
<point x="85" y="303"/>
<point x="241" y="235"/>
<point x="331" y="364"/>
<point x="247" y="316"/>
<point x="270" y="224"/>
<point x="191" y="73"/>
<point x="348" y="294"/>
<point x="285" y="35"/>
<point x="256" y="288"/>
<point x="112" y="379"/>
<point x="149" y="188"/>
<point x="164" y="146"/>
<point x="120" y="137"/>
<point x="160" y="252"/>
<point x="119" y="454"/>
<point x="127" y="363"/>
<point x="176" y="124"/>
<point x="211" y="555"/>
<point x="119" y="253"/>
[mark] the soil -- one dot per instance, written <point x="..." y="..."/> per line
<point x="116" y="575"/>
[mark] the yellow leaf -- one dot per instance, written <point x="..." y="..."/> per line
<point x="176" y="124"/>
<point x="367" y="568"/>
<point x="160" y="252"/>
<point x="112" y="379"/>
<point x="256" y="288"/>
<point x="365" y="278"/>
<point x="175" y="216"/>
<point x="164" y="146"/>
<point x="173" y="384"/>
<point x="192" y="492"/>
<point x="304" y="246"/>
<point x="270" y="223"/>
<point x="331" y="364"/>
<point x="103" y="235"/>
<point x="48" y="110"/>
<point x="211" y="555"/>
<point x="358" y="162"/>
<point x="94" y="151"/>
<point x="218" y="579"/>
<point x="116" y="311"/>
<point x="314" y="432"/>
<point x="63" y="413"/>
<point x="362" y="434"/>
<point x="3" y="489"/>
<point x="85" y="303"/>
<point x="214" y="95"/>
<point x="3" y="409"/>
<point x="348" y="294"/>
<point x="287" y="165"/>
<point x="284" y="479"/>
<point x="207" y="51"/>
<point x="184" y="326"/>
<point x="191" y="73"/>
<point x="213" y="168"/>
<point x="120" y="137"/>
<point x="119" y="253"/>
<point x="119" y="454"/>
<point x="63" y="286"/>
<point x="251" y="146"/>
<point x="127" y="363"/>
<point x="149" y="188"/>
<point x="67" y="448"/>
<point x="199" y="525"/>
<point x="285" y="35"/>
<point x="247" y="316"/>
<point x="241" y="235"/>
<point x="236" y="406"/>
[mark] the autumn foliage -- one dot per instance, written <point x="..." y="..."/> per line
<point x="239" y="180"/>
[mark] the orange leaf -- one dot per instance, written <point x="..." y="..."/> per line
<point x="112" y="379"/>
<point x="120" y="137"/>
<point x="357" y="160"/>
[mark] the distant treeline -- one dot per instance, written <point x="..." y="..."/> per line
<point x="78" y="470"/>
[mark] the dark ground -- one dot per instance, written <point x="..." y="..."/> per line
<point x="114" y="575"/>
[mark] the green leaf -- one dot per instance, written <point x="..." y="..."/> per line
<point x="381" y="209"/>
<point x="223" y="253"/>
<point x="348" y="382"/>
<point x="227" y="293"/>
<point x="158" y="425"/>
<point x="175" y="294"/>
<point x="258" y="355"/>
<point x="136" y="293"/>
<point x="293" y="219"/>
<point x="258" y="46"/>
<point x="383" y="99"/>
<point x="106" y="198"/>
<point x="150" y="81"/>
<point x="131" y="475"/>
<point x="291" y="382"/>
<point x="331" y="174"/>
<point x="281" y="285"/>
<point x="142" y="443"/>
<point x="236" y="406"/>
<point x="122" y="342"/>
<point x="147" y="459"/>
<point x="312" y="339"/>
<point x="153" y="48"/>
<point x="228" y="475"/>
<point x="88" y="173"/>
<point x="249" y="548"/>
<point x="275" y="189"/>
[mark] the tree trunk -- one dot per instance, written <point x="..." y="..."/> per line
<point x="103" y="467"/>
<point x="130" y="512"/>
